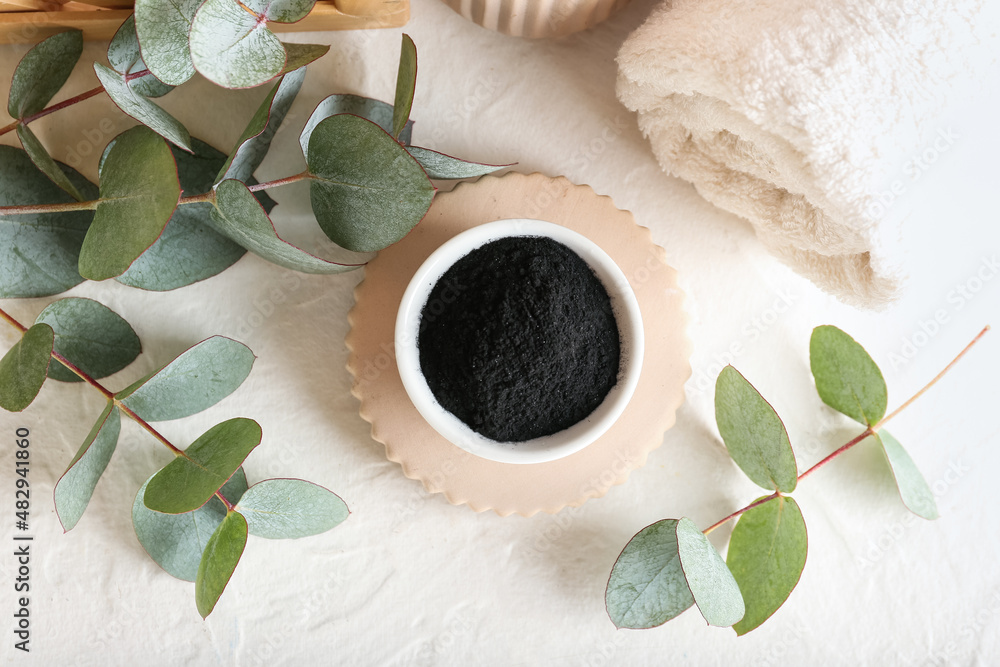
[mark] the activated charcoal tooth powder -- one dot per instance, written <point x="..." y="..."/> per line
<point x="518" y="339"/>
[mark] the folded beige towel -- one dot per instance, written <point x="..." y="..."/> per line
<point x="799" y="115"/>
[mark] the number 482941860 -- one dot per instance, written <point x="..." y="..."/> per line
<point x="22" y="494"/>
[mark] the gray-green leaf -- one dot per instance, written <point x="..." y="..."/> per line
<point x="367" y="191"/>
<point x="139" y="192"/>
<point x="445" y="167"/>
<point x="91" y="336"/>
<point x="713" y="587"/>
<point x="189" y="249"/>
<point x="222" y="555"/>
<point x="767" y="552"/>
<point x="191" y="479"/>
<point x="253" y="144"/>
<point x="847" y="378"/>
<point x="240" y="216"/>
<point x="76" y="486"/>
<point x="376" y="111"/>
<point x="177" y="541"/>
<point x="36" y="151"/>
<point x="290" y="508"/>
<point x="163" y="29"/>
<point x="406" y="83"/>
<point x="913" y="488"/>
<point x="128" y="99"/>
<point x="39" y="252"/>
<point x="753" y="433"/>
<point x="126" y="58"/>
<point x="232" y="47"/>
<point x="23" y="368"/>
<point x="647" y="587"/>
<point x="42" y="72"/>
<point x="194" y="381"/>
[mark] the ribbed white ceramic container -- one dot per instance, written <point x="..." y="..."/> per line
<point x="536" y="18"/>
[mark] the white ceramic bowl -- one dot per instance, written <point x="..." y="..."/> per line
<point x="536" y="18"/>
<point x="538" y="450"/>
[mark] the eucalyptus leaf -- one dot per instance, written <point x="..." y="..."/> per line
<point x="281" y="11"/>
<point x="847" y="378"/>
<point x="913" y="488"/>
<point x="191" y="479"/>
<point x="300" y="55"/>
<point x="240" y="217"/>
<point x="713" y="587"/>
<point x="42" y="72"/>
<point x="125" y="57"/>
<point x="253" y="144"/>
<point x="406" y="83"/>
<point x="290" y="508"/>
<point x="194" y="381"/>
<point x="218" y="562"/>
<point x="445" y="167"/>
<point x="177" y="541"/>
<point x="376" y="111"/>
<point x="91" y="336"/>
<point x="39" y="252"/>
<point x="767" y="552"/>
<point x="647" y="587"/>
<point x="23" y="368"/>
<point x="367" y="192"/>
<point x="41" y="158"/>
<point x="163" y="29"/>
<point x="139" y="192"/>
<point x="189" y="249"/>
<point x="75" y="488"/>
<point x="132" y="103"/>
<point x="753" y="433"/>
<point x="232" y="47"/>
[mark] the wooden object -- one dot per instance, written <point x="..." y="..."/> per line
<point x="516" y="488"/>
<point x="28" y="21"/>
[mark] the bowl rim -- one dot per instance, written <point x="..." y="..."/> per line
<point x="546" y="448"/>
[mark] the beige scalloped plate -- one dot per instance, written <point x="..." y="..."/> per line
<point x="518" y="488"/>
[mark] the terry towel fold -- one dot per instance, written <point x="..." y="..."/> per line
<point x="798" y="114"/>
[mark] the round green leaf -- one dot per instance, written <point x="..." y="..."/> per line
<point x="441" y="166"/>
<point x="753" y="433"/>
<point x="767" y="552"/>
<point x="232" y="47"/>
<point x="39" y="252"/>
<point x="36" y="151"/>
<point x="23" y="368"/>
<point x="713" y="587"/>
<point x="376" y="111"/>
<point x="131" y="102"/>
<point x="240" y="216"/>
<point x="163" y="29"/>
<point x="281" y="11"/>
<point x="76" y="486"/>
<point x="647" y="587"/>
<point x="406" y="83"/>
<point x="219" y="560"/>
<point x="847" y="378"/>
<point x="91" y="336"/>
<point x="126" y="58"/>
<point x="42" y="72"/>
<point x="194" y="381"/>
<point x="367" y="192"/>
<point x="191" y="479"/>
<point x="189" y="249"/>
<point x="177" y="541"/>
<point x="290" y="508"/>
<point x="139" y="192"/>
<point x="913" y="488"/>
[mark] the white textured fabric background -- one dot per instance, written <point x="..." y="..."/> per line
<point x="409" y="579"/>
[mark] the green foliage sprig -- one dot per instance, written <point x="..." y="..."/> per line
<point x="670" y="565"/>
